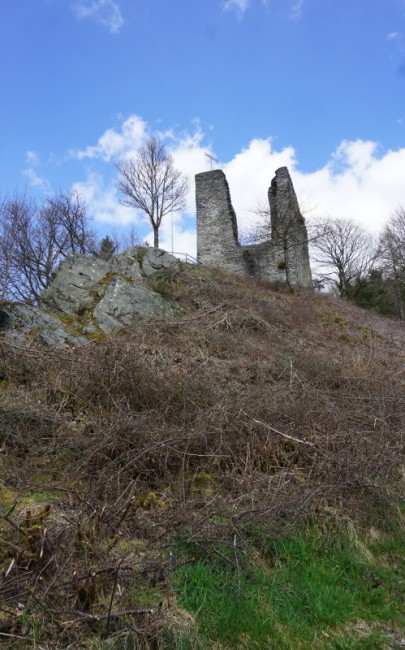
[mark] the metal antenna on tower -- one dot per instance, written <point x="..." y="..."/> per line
<point x="212" y="158"/>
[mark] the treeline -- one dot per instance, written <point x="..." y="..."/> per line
<point x="370" y="271"/>
<point x="35" y="237"/>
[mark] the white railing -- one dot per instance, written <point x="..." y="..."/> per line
<point x="186" y="257"/>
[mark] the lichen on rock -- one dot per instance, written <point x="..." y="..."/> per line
<point x="89" y="296"/>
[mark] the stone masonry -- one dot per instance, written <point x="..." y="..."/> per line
<point x="284" y="258"/>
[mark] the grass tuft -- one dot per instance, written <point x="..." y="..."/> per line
<point x="310" y="588"/>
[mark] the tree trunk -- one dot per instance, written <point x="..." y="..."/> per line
<point x="155" y="237"/>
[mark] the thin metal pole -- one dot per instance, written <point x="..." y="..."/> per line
<point x="172" y="225"/>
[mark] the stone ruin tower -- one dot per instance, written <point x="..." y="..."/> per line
<point x="283" y="258"/>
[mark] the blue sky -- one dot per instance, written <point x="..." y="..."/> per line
<point x="318" y="85"/>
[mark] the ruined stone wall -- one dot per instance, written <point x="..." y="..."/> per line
<point x="289" y="236"/>
<point x="217" y="229"/>
<point x="282" y="259"/>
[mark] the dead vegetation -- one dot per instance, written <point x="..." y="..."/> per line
<point x="253" y="407"/>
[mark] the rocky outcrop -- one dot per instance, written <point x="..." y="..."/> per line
<point x="19" y="323"/>
<point x="155" y="260"/>
<point x="110" y="295"/>
<point x="73" y="287"/>
<point x="284" y="258"/>
<point x="89" y="296"/>
<point x="123" y="303"/>
<point x="128" y="262"/>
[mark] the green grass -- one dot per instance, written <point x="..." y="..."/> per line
<point x="309" y="590"/>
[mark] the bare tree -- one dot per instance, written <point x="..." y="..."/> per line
<point x="7" y="239"/>
<point x="344" y="252"/>
<point x="34" y="239"/>
<point x="151" y="184"/>
<point x="123" y="239"/>
<point x="15" y="221"/>
<point x="130" y="238"/>
<point x="68" y="212"/>
<point x="260" y="230"/>
<point x="391" y="254"/>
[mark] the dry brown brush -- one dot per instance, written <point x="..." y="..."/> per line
<point x="254" y="407"/>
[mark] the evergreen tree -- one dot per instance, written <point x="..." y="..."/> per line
<point x="107" y="248"/>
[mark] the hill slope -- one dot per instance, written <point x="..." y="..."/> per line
<point x="125" y="459"/>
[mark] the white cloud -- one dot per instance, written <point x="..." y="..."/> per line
<point x="296" y="10"/>
<point x="102" y="201"/>
<point x="367" y="189"/>
<point x="355" y="155"/>
<point x="239" y="6"/>
<point x="357" y="182"/>
<point x="31" y="174"/>
<point x="35" y="180"/>
<point x="115" y="143"/>
<point x="397" y="39"/>
<point x="190" y="158"/>
<point x="249" y="175"/>
<point x="32" y="158"/>
<point x="106" y="13"/>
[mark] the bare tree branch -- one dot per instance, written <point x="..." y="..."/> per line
<point x="345" y="253"/>
<point x="391" y="254"/>
<point x="35" y="238"/>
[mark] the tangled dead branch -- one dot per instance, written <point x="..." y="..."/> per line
<point x="121" y="449"/>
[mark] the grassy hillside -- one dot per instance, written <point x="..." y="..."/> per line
<point x="229" y="478"/>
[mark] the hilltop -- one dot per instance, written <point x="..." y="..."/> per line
<point x="201" y="441"/>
